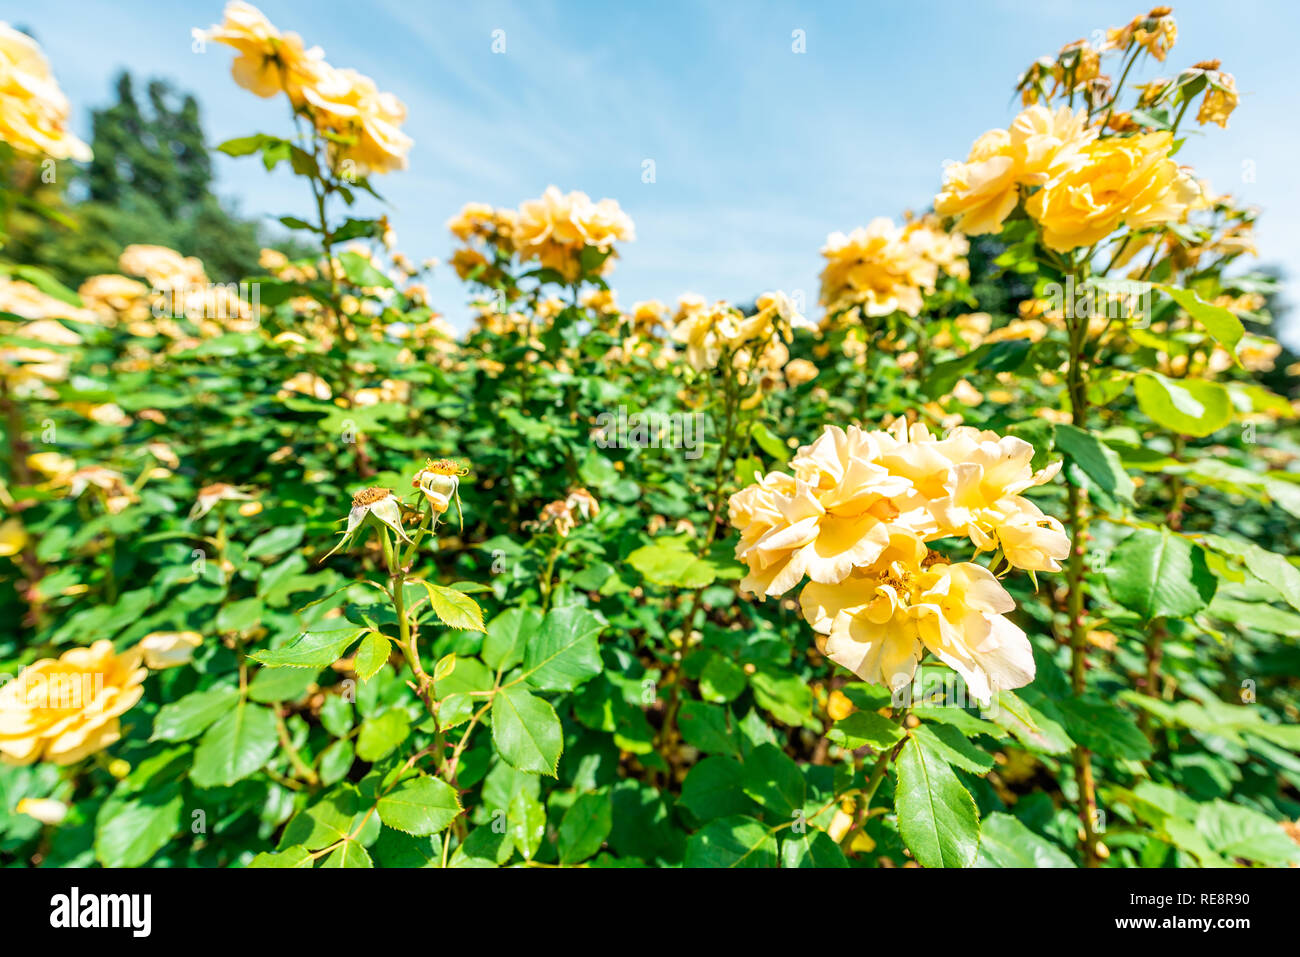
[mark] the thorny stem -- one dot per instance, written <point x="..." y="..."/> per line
<point x="863" y="808"/>
<point x="304" y="770"/>
<point x="1078" y="631"/>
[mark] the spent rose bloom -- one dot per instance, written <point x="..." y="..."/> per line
<point x="439" y="482"/>
<point x="63" y="709"/>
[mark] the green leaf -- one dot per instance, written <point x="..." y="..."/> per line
<point x="187" y="717"/>
<point x="275" y="542"/>
<point x="865" y="728"/>
<point x="721" y="680"/>
<point x="280" y="684"/>
<point x="235" y="747"/>
<point x="454" y="608"/>
<point x="361" y="272"/>
<point x="672" y="565"/>
<point x="1103" y="728"/>
<point x="564" y="652"/>
<point x="1194" y="407"/>
<point x="315" y="649"/>
<point x="295" y="856"/>
<point x="420" y="805"/>
<point x="348" y="854"/>
<point x="705" y="726"/>
<point x="585" y="826"/>
<point x="1221" y="323"/>
<point x="129" y="832"/>
<point x="735" y="841"/>
<point x="771" y="444"/>
<point x="774" y="781"/>
<point x="336" y="761"/>
<point x="1239" y="832"/>
<point x="1272" y="569"/>
<point x="1005" y="842"/>
<point x="247" y="145"/>
<point x="1096" y="460"/>
<point x="936" y="814"/>
<point x="714" y="788"/>
<point x="951" y="745"/>
<point x="526" y="731"/>
<point x="526" y="824"/>
<point x="372" y="654"/>
<point x="786" y="695"/>
<point x="380" y="736"/>
<point x="811" y="849"/>
<point x="508" y="635"/>
<point x="1160" y="575"/>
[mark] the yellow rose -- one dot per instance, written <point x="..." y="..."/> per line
<point x="362" y="122"/>
<point x="269" y="62"/>
<point x="800" y="371"/>
<point x="984" y="190"/>
<point x="874" y="269"/>
<point x="879" y="626"/>
<point x="1118" y="181"/>
<point x="33" y="110"/>
<point x="62" y="710"/>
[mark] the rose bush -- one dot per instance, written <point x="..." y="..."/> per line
<point x="303" y="577"/>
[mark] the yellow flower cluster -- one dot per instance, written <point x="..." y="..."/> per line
<point x="555" y="228"/>
<point x="63" y="709"/>
<point x="710" y="332"/>
<point x="880" y="269"/>
<point x="855" y="516"/>
<point x="33" y="110"/>
<point x="1087" y="187"/>
<point x="361" y="123"/>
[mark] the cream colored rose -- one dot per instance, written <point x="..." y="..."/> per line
<point x="169" y="649"/>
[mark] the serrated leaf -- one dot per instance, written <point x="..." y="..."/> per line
<point x="372" y="655"/>
<point x="1096" y="460"/>
<point x="454" y="608"/>
<point x="732" y="842"/>
<point x="421" y="805"/>
<point x="526" y="731"/>
<point x="585" y="826"/>
<point x="129" y="832"/>
<point x="187" y="717"/>
<point x="564" y="652"/>
<point x="775" y="782"/>
<point x="1196" y="407"/>
<point x="1160" y="575"/>
<point x="811" y="849"/>
<point x="236" y="746"/>
<point x="1006" y="842"/>
<point x="936" y="814"/>
<point x="315" y="649"/>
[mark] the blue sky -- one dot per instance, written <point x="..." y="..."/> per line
<point x="759" y="151"/>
